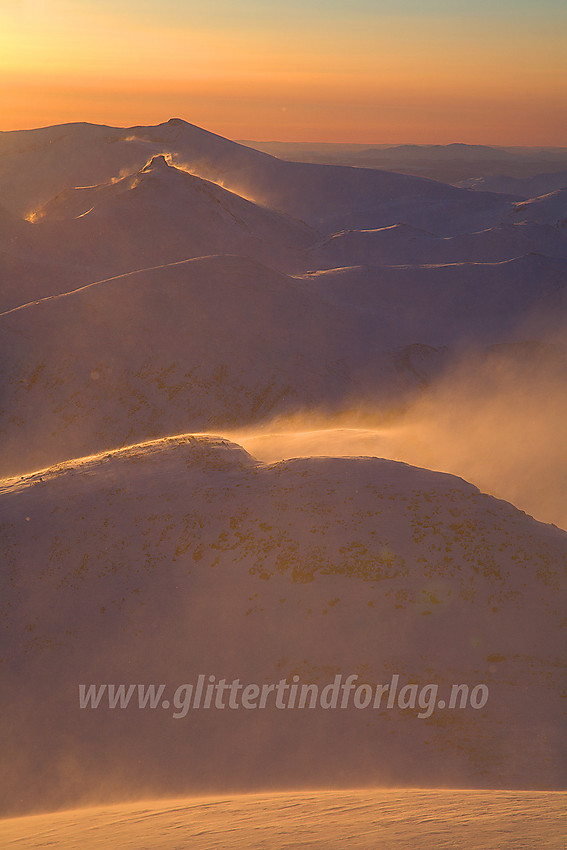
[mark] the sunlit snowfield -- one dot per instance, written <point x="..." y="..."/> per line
<point x="330" y="820"/>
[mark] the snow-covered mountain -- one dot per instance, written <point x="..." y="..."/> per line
<point x="448" y="304"/>
<point x="525" y="171"/>
<point x="550" y="209"/>
<point x="523" y="187"/>
<point x="222" y="341"/>
<point x="103" y="201"/>
<point x="159" y="284"/>
<point x="34" y="168"/>
<point x="400" y="244"/>
<point x="162" y="215"/>
<point x="186" y="556"/>
<point x="214" y="341"/>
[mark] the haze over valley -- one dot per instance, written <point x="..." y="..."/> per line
<point x="264" y="419"/>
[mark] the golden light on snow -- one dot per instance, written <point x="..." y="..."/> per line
<point x="279" y="422"/>
<point x="361" y="819"/>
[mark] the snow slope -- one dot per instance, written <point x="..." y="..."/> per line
<point x="548" y="209"/>
<point x="104" y="201"/>
<point x="162" y="215"/>
<point x="216" y="340"/>
<point x="163" y="281"/>
<point x="223" y="341"/>
<point x="165" y="560"/>
<point x="523" y="187"/>
<point x="24" y="280"/>
<point x="363" y="820"/>
<point x="400" y="244"/>
<point x="35" y="168"/>
<point x="450" y="304"/>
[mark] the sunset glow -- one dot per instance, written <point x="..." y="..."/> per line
<point x="432" y="72"/>
<point x="283" y="473"/>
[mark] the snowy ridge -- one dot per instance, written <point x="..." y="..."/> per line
<point x="527" y="187"/>
<point x="195" y="559"/>
<point x="550" y="209"/>
<point x="202" y="450"/>
<point x="401" y="244"/>
<point x="159" y="215"/>
<point x="224" y="341"/>
<point x="161" y="285"/>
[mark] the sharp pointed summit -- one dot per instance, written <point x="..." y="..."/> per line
<point x="157" y="164"/>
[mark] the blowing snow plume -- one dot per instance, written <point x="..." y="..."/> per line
<point x="200" y="564"/>
<point x="496" y="419"/>
<point x="148" y="568"/>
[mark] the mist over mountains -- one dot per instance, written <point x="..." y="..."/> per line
<point x="239" y="396"/>
<point x="525" y="171"/>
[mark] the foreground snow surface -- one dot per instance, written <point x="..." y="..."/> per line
<point x="327" y="819"/>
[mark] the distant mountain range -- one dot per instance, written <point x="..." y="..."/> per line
<point x="163" y="287"/>
<point x="503" y="169"/>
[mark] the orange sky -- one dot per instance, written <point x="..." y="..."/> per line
<point x="359" y="72"/>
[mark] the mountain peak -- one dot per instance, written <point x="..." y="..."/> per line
<point x="157" y="163"/>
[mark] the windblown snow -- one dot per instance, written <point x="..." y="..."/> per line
<point x="264" y="419"/>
